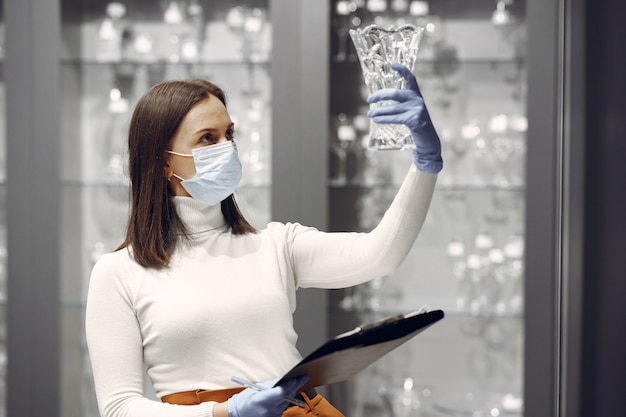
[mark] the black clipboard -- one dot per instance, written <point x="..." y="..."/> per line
<point x="349" y="353"/>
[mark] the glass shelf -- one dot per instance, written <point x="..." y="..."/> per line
<point x="439" y="187"/>
<point x="156" y="63"/>
<point x="115" y="183"/>
<point x="495" y="60"/>
<point x="449" y="312"/>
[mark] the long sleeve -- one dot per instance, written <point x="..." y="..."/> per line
<point x="337" y="260"/>
<point x="115" y="347"/>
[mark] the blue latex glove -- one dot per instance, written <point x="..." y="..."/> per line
<point x="267" y="403"/>
<point x="410" y="110"/>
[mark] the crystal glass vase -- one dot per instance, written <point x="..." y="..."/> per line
<point x="377" y="48"/>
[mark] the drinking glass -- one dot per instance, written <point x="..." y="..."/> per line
<point x="377" y="48"/>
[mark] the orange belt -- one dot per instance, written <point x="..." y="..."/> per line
<point x="200" y="396"/>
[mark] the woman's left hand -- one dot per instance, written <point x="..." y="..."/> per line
<point x="410" y="110"/>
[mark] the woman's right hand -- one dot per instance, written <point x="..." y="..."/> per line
<point x="410" y="110"/>
<point x="269" y="402"/>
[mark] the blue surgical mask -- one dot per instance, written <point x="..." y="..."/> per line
<point x="218" y="172"/>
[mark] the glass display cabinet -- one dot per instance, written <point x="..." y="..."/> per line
<point x="112" y="53"/>
<point x="76" y="70"/>
<point x="469" y="257"/>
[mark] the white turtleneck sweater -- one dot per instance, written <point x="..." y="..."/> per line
<point x="224" y="305"/>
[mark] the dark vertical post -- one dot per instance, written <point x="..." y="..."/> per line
<point x="543" y="207"/>
<point x="604" y="309"/>
<point x="300" y="136"/>
<point x="33" y="129"/>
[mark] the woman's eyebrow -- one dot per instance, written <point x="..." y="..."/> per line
<point x="214" y="129"/>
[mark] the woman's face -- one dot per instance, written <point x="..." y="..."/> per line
<point x="206" y="124"/>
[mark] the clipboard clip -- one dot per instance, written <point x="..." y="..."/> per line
<point x="366" y="327"/>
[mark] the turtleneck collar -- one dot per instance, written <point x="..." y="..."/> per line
<point x="199" y="216"/>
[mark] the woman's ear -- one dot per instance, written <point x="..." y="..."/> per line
<point x="167" y="169"/>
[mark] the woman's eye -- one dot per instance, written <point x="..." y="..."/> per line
<point x="207" y="139"/>
<point x="211" y="139"/>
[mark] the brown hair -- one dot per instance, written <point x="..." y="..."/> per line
<point x="154" y="226"/>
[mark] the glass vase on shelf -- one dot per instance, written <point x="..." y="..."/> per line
<point x="111" y="34"/>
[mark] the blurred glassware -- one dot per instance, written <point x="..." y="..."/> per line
<point x="378" y="167"/>
<point x="434" y="34"/>
<point x="185" y="28"/>
<point x="480" y="404"/>
<point x="195" y="11"/>
<point x="117" y="103"/>
<point x="406" y="400"/>
<point x="173" y="13"/>
<point x="178" y="30"/>
<point x="235" y="18"/>
<point x="253" y="25"/>
<point x="252" y="147"/>
<point x="479" y="279"/>
<point x="501" y="16"/>
<point x="419" y="8"/>
<point x="344" y="134"/>
<point x="464" y="292"/>
<point x="372" y="206"/>
<point x="454" y="149"/>
<point x="249" y="23"/>
<point x="497" y="355"/>
<point x="472" y="282"/>
<point x="344" y="18"/>
<point x="512" y="298"/>
<point x="518" y="123"/>
<point x="372" y="297"/>
<point x="465" y="150"/>
<point x="111" y="34"/>
<point x="143" y="46"/>
<point x="445" y="64"/>
<point x="507" y="150"/>
<point x="98" y="249"/>
<point x="377" y="6"/>
<point x="400" y="6"/>
<point x="493" y="280"/>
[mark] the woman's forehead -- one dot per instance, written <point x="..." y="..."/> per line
<point x="210" y="110"/>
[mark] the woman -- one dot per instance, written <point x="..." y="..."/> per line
<point x="195" y="294"/>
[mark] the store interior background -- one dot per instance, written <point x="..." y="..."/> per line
<point x="584" y="311"/>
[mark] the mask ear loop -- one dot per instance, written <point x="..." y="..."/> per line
<point x="188" y="155"/>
